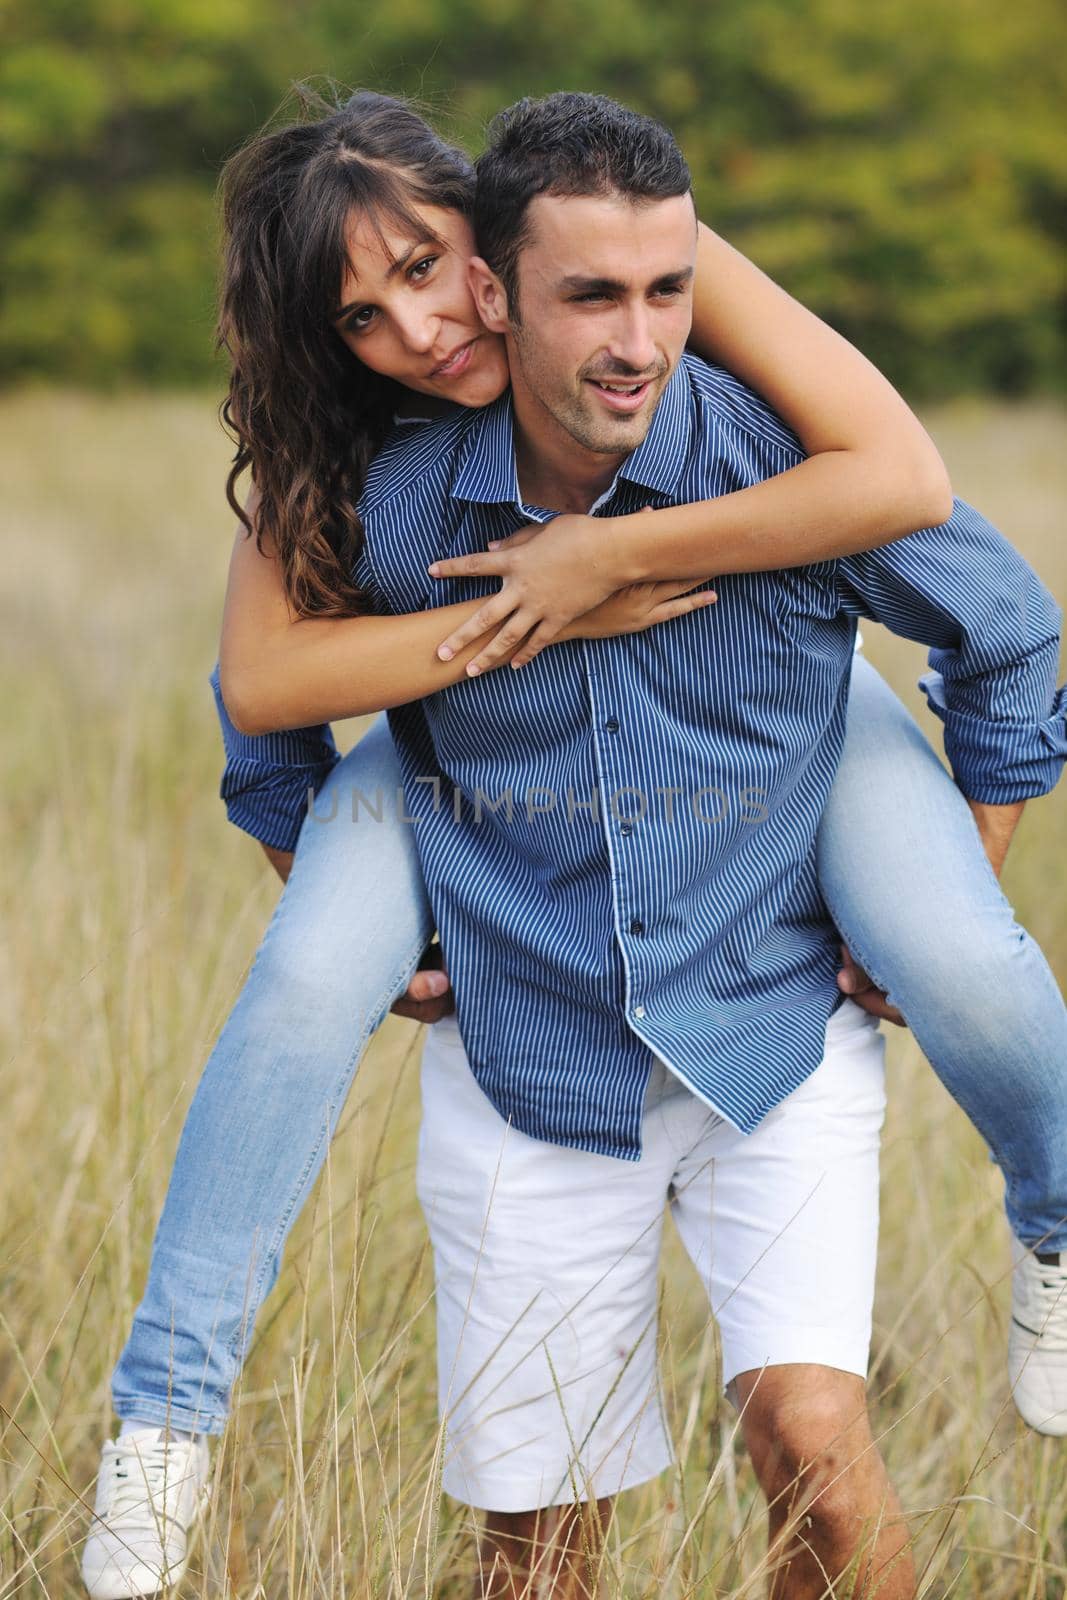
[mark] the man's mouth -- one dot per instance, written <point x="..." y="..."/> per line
<point x="457" y="362"/>
<point x="620" y="396"/>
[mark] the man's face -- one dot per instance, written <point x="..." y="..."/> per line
<point x="604" y="305"/>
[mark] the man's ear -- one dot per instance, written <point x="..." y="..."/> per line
<point x="489" y="294"/>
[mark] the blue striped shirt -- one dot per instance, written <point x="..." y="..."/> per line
<point x="618" y="841"/>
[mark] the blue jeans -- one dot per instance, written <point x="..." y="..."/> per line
<point x="347" y="934"/>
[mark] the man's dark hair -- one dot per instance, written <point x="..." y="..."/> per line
<point x="566" y="144"/>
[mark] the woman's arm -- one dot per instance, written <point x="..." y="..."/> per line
<point x="279" y="672"/>
<point x="873" y="474"/>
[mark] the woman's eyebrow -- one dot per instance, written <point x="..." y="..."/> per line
<point x="395" y="267"/>
<point x="401" y="261"/>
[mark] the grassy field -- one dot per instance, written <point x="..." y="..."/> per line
<point x="131" y="914"/>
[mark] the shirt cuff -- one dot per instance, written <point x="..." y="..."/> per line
<point x="271" y="802"/>
<point x="997" y="761"/>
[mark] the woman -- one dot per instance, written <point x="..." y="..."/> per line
<point x="305" y="210"/>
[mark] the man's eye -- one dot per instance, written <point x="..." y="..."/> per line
<point x="669" y="290"/>
<point x="421" y="269"/>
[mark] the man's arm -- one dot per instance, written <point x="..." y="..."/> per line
<point x="962" y="588"/>
<point x="994" y="630"/>
<point x="280" y="860"/>
<point x="996" y="825"/>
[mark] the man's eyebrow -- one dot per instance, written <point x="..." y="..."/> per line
<point x="574" y="283"/>
<point x="394" y="268"/>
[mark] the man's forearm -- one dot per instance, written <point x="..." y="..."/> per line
<point x="996" y="824"/>
<point x="280" y="860"/>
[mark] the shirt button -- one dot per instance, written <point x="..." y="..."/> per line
<point x="637" y="926"/>
<point x="626" y="828"/>
<point x="612" y="725"/>
<point x="639" y="1012"/>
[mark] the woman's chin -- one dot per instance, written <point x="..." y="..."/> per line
<point x="484" y="381"/>
<point x="480" y="389"/>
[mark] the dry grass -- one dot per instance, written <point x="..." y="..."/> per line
<point x="131" y="916"/>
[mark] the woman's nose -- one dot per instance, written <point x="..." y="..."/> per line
<point x="419" y="330"/>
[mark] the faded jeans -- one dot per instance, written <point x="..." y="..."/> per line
<point x="902" y="870"/>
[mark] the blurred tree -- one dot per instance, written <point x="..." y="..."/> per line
<point x="900" y="166"/>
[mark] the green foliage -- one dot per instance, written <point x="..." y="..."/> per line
<point x="899" y="166"/>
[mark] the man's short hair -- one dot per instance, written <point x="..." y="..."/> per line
<point x="566" y="144"/>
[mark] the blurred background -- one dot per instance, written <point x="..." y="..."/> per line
<point x="902" y="168"/>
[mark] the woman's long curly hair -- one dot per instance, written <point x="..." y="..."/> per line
<point x="306" y="415"/>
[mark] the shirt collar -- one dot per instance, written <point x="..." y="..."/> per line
<point x="486" y="472"/>
<point x="659" y="459"/>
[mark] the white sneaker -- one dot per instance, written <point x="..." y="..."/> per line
<point x="1037" y="1340"/>
<point x="149" y="1494"/>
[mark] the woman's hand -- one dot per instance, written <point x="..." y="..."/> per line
<point x="553" y="572"/>
<point x="637" y="607"/>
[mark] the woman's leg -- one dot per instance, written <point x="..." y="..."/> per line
<point x="345" y="937"/>
<point x="903" y="871"/>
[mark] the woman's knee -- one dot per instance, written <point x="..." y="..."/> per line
<point x="982" y="969"/>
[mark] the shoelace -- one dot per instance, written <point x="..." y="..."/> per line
<point x="139" y="1478"/>
<point x="1048" y="1304"/>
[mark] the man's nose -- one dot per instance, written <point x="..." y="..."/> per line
<point x="633" y="344"/>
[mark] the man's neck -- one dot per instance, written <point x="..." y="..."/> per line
<point x="556" y="472"/>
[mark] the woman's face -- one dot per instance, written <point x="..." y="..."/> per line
<point x="406" y="309"/>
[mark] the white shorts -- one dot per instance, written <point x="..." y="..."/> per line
<point x="546" y="1263"/>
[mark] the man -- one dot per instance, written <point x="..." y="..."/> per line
<point x="618" y="847"/>
<point x="693" y="794"/>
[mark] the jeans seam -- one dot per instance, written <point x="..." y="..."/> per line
<point x="278" y="1238"/>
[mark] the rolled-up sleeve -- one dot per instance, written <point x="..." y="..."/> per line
<point x="268" y="776"/>
<point x="995" y="632"/>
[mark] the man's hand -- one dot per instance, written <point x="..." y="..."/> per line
<point x="428" y="997"/>
<point x="996" y="824"/>
<point x="853" y="981"/>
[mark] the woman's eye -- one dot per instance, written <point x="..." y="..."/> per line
<point x="357" y="321"/>
<point x="421" y="269"/>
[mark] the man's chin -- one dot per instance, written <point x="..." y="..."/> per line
<point x="615" y="435"/>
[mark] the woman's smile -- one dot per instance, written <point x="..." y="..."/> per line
<point x="454" y="365"/>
